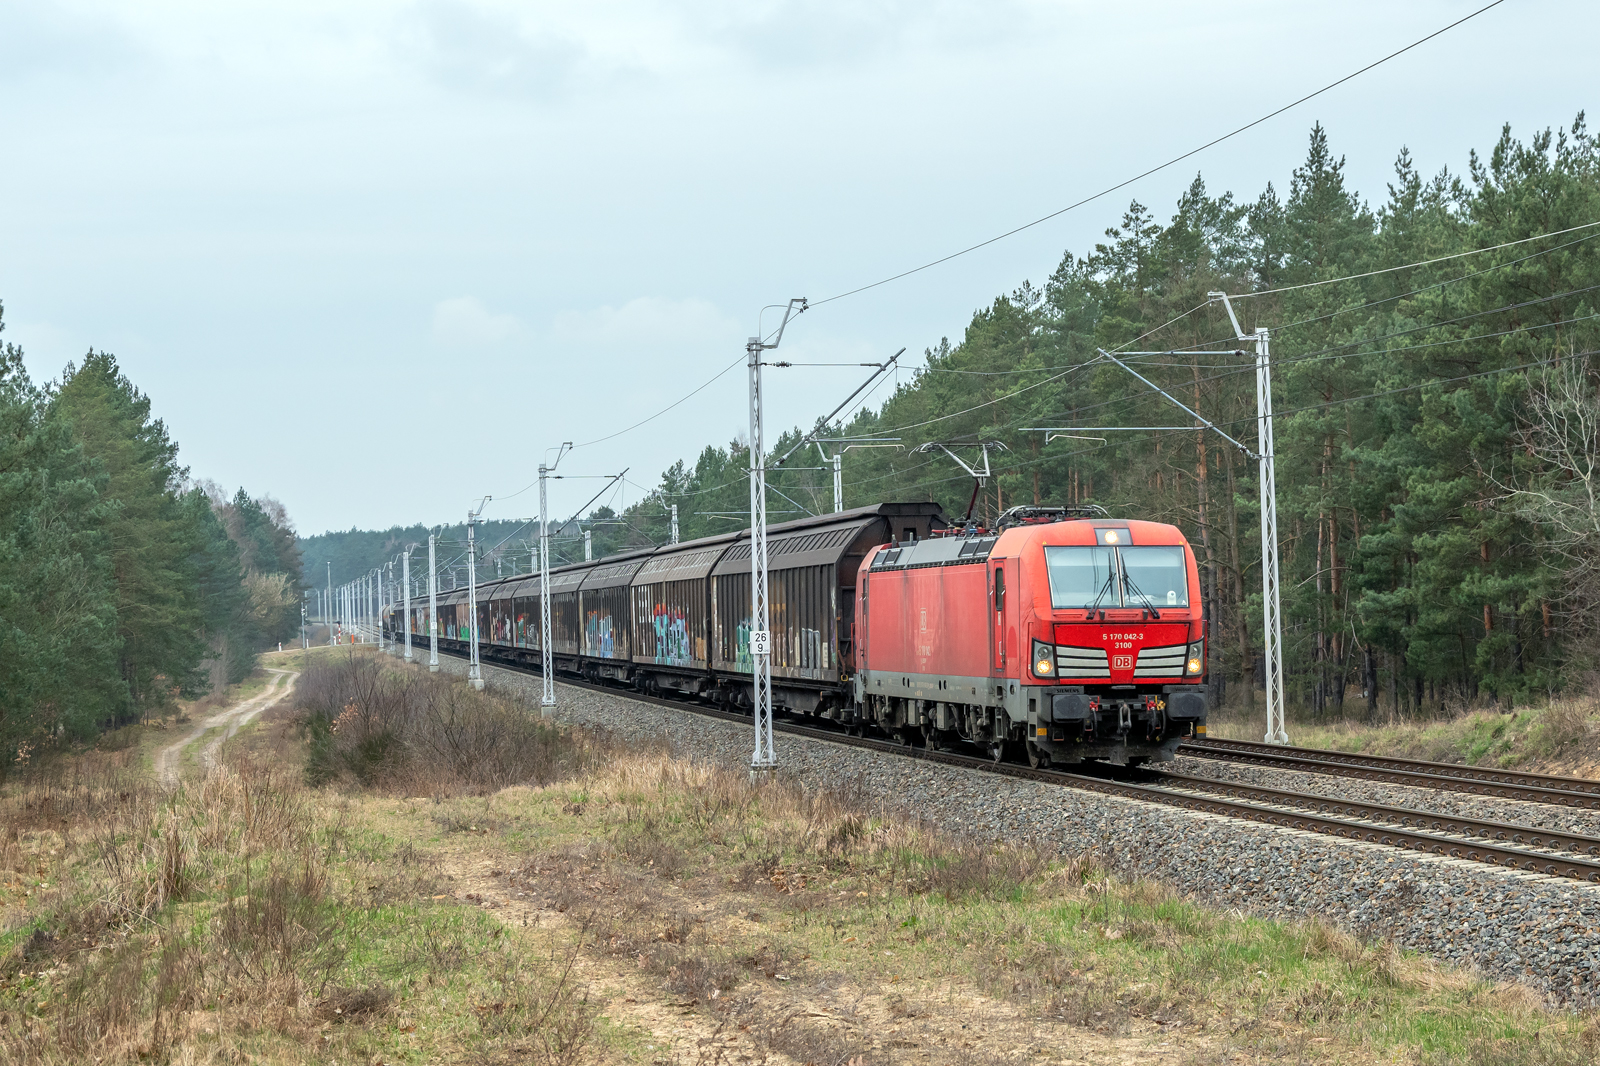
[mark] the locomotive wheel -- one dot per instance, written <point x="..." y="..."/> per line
<point x="1038" y="758"/>
<point x="930" y="739"/>
<point x="997" y="752"/>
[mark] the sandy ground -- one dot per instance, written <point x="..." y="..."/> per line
<point x="989" y="1032"/>
<point x="225" y="724"/>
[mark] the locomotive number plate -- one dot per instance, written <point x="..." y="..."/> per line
<point x="1122" y="662"/>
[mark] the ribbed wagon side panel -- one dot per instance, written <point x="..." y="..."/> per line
<point x="733" y="624"/>
<point x="499" y="631"/>
<point x="669" y="623"/>
<point x="566" y="637"/>
<point x="801" y="606"/>
<point x="606" y="629"/>
<point x="525" y="621"/>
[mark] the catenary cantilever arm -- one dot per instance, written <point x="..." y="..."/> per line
<point x="1178" y="403"/>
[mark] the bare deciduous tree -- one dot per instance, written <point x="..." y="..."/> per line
<point x="1562" y="432"/>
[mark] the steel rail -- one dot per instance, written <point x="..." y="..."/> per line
<point x="1406" y="817"/>
<point x="1415" y="778"/>
<point x="1555" y="782"/>
<point x="1403" y="838"/>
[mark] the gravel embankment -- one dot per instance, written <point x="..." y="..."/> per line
<point x="1462" y="804"/>
<point x="1514" y="926"/>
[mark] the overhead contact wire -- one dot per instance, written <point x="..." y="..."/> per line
<point x="1163" y="166"/>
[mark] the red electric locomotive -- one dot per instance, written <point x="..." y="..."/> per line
<point x="1063" y="632"/>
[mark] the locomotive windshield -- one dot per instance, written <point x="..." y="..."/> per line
<point x="1079" y="576"/>
<point x="1146" y="575"/>
<point x="1154" y="575"/>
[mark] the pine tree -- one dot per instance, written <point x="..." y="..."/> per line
<point x="58" y="636"/>
<point x="151" y="538"/>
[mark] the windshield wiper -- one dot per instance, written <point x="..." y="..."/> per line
<point x="1111" y="575"/>
<point x="1149" y="604"/>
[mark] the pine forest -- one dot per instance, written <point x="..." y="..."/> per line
<point x="1436" y="424"/>
<point x="124" y="584"/>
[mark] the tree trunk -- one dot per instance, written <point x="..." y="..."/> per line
<point x="1369" y="680"/>
<point x="1236" y="572"/>
<point x="1202" y="471"/>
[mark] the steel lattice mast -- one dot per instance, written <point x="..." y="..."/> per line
<point x="764" y="758"/>
<point x="547" y="699"/>
<point x="433" y="608"/>
<point x="1271" y="585"/>
<point x="405" y="580"/>
<point x="474" y="674"/>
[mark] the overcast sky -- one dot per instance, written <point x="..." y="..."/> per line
<point x="375" y="258"/>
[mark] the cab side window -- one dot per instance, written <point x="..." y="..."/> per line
<point x="999" y="590"/>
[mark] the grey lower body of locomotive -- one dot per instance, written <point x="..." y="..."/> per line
<point x="1055" y="725"/>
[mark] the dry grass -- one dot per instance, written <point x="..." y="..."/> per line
<point x="115" y="949"/>
<point x="632" y="907"/>
<point x="1562" y="736"/>
<point x="242" y="918"/>
<point x="405" y="731"/>
<point x="819" y="929"/>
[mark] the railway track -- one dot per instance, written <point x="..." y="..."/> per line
<point x="1506" y="846"/>
<point x="1500" y="784"/>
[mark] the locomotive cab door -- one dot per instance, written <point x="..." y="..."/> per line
<point x="1003" y="608"/>
<point x="997" y="616"/>
<point x="859" y="636"/>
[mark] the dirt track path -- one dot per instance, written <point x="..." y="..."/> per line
<point x="226" y="722"/>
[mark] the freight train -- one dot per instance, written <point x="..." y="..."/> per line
<point x="1060" y="634"/>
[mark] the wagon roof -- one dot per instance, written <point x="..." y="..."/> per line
<point x="615" y="570"/>
<point x="808" y="546"/>
<point x="688" y="561"/>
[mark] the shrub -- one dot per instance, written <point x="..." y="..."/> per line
<point x="426" y="733"/>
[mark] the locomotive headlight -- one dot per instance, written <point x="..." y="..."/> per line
<point x="1044" y="659"/>
<point x="1197" y="658"/>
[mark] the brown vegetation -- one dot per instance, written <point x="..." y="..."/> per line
<point x="242" y="917"/>
<point x="416" y="733"/>
<point x="806" y="926"/>
<point x="625" y="906"/>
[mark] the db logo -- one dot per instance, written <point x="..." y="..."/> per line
<point x="1122" y="662"/>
